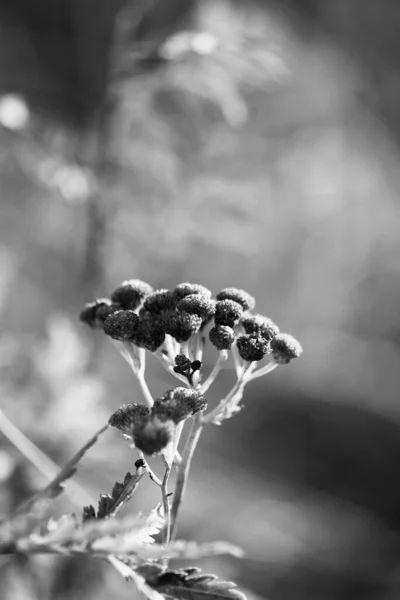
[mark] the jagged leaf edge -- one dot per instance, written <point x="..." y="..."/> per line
<point x="189" y="584"/>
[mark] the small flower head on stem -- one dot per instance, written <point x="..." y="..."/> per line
<point x="159" y="302"/>
<point x="197" y="304"/>
<point x="252" y="347"/>
<point x="182" y="325"/>
<point x="131" y="293"/>
<point x="227" y="312"/>
<point x="121" y="325"/>
<point x="95" y="313"/>
<point x="285" y="348"/>
<point x="151" y="434"/>
<point x="150" y="333"/>
<point x="246" y="300"/>
<point x="127" y="416"/>
<point x="186" y="289"/>
<point x="222" y="337"/>
<point x="179" y="404"/>
<point x="259" y="325"/>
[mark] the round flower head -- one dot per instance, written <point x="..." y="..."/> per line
<point x="158" y="302"/>
<point x="222" y="337"/>
<point x="182" y="325"/>
<point x="259" y="325"/>
<point x="125" y="417"/>
<point x="151" y="434"/>
<point x="178" y="404"/>
<point x="227" y="312"/>
<point x="252" y="347"/>
<point x="186" y="289"/>
<point x="121" y="325"/>
<point x="104" y="311"/>
<point x="246" y="300"/>
<point x="131" y="293"/>
<point x="95" y="313"/>
<point x="285" y="348"/>
<point x="150" y="333"/>
<point x="197" y="304"/>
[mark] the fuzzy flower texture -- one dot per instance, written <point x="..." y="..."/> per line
<point x="179" y="319"/>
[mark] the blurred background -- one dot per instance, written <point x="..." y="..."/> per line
<point x="231" y="143"/>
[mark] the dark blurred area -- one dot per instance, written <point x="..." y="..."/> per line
<point x="253" y="144"/>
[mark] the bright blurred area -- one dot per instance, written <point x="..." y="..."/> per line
<point x="230" y="143"/>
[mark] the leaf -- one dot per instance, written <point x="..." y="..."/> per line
<point x="109" y="504"/>
<point x="190" y="550"/>
<point x="189" y="584"/>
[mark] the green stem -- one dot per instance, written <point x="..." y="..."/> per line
<point x="183" y="471"/>
<point x="167" y="508"/>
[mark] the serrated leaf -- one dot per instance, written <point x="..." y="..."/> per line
<point x="188" y="585"/>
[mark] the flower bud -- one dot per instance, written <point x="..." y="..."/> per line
<point x="252" y="347"/>
<point x="131" y="293"/>
<point x="121" y="325"/>
<point x="246" y="300"/>
<point x="227" y="312"/>
<point x="222" y="337"/>
<point x="285" y="348"/>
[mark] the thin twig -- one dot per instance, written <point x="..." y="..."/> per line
<point x="264" y="370"/>
<point x="223" y="355"/>
<point x="151" y="473"/>
<point x="40" y="460"/>
<point x="183" y="471"/>
<point x="145" y="389"/>
<point x="167" y="508"/>
<point x="233" y="397"/>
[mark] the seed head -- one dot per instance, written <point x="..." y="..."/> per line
<point x="246" y="300"/>
<point x="285" y="348"/>
<point x="121" y="325"/>
<point x="127" y="416"/>
<point x="227" y="312"/>
<point x="182" y="325"/>
<point x="252" y="347"/>
<point x="131" y="293"/>
<point x="151" y="434"/>
<point x="222" y="337"/>
<point x="259" y="325"/>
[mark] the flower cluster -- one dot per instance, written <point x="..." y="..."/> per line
<point x="152" y="429"/>
<point x="136" y="313"/>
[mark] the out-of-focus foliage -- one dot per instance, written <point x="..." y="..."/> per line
<point x="299" y="204"/>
